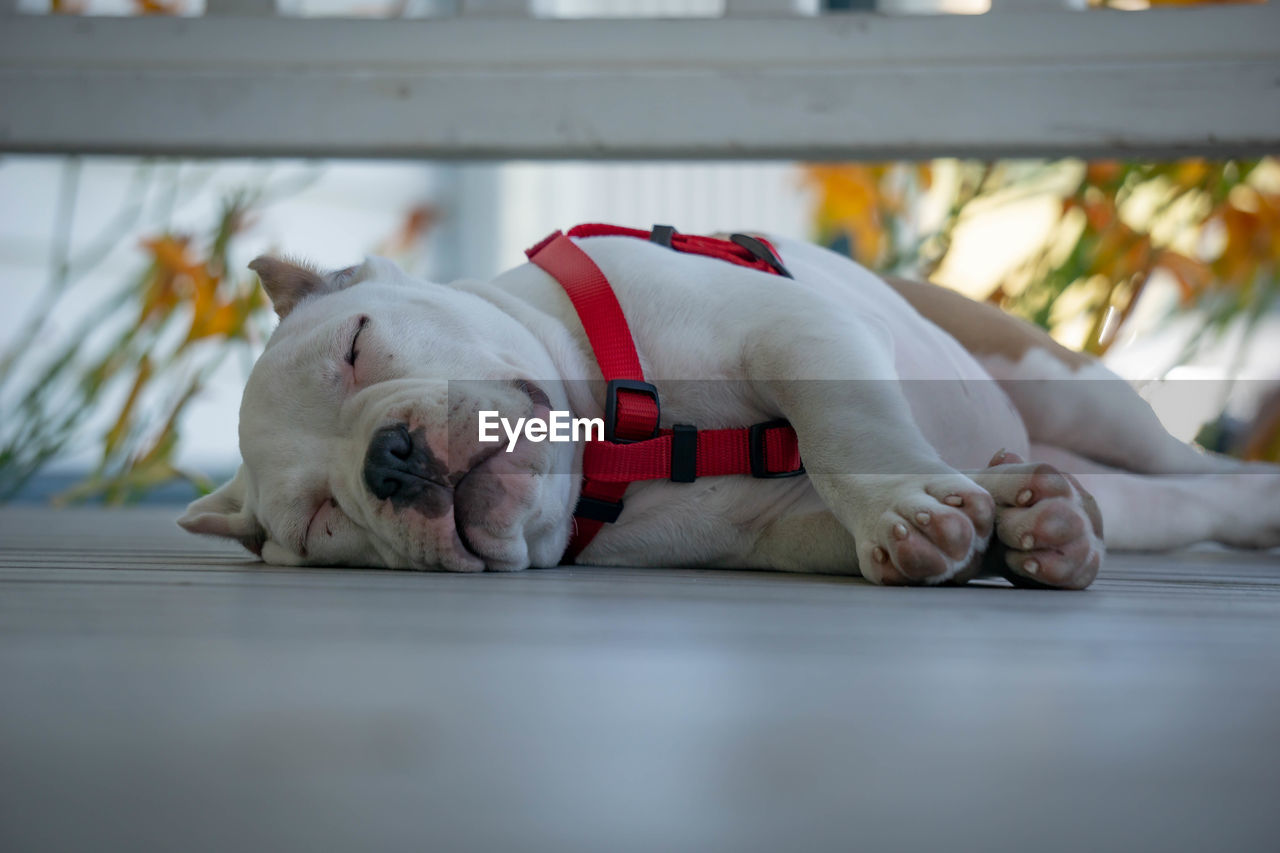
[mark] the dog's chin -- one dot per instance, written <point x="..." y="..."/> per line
<point x="444" y="548"/>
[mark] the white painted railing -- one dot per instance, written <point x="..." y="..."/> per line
<point x="761" y="81"/>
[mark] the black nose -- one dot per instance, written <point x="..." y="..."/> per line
<point x="399" y="465"/>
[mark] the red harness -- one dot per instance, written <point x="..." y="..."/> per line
<point x="635" y="448"/>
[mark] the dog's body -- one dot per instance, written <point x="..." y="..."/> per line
<point x="894" y="389"/>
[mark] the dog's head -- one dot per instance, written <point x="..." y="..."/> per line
<point x="360" y="437"/>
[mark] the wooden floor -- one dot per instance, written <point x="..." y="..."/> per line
<point x="161" y="692"/>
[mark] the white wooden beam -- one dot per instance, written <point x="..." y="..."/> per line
<point x="1159" y="83"/>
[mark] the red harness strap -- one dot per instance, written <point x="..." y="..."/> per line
<point x="634" y="447"/>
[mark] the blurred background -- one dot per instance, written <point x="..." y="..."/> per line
<point x="130" y="320"/>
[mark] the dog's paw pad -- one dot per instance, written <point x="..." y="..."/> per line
<point x="1048" y="525"/>
<point x="931" y="533"/>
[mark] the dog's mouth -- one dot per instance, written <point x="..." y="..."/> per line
<point x="465" y="542"/>
<point x="459" y="525"/>
<point x="473" y="494"/>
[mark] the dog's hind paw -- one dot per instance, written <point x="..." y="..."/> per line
<point x="1048" y="528"/>
<point x="931" y="532"/>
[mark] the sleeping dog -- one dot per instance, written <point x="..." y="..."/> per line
<point x="941" y="439"/>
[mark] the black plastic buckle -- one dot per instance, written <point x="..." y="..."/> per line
<point x="611" y="408"/>
<point x="756" y="451"/>
<point x="662" y="234"/>
<point x="761" y="252"/>
<point x="598" y="510"/>
<point x="684" y="453"/>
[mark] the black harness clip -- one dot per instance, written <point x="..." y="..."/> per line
<point x="684" y="453"/>
<point x="761" y="252"/>
<point x="662" y="234"/>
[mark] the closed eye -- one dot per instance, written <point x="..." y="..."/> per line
<point x="353" y="353"/>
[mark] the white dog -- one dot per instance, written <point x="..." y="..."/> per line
<point x="360" y="428"/>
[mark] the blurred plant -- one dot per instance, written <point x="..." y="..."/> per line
<point x="1212" y="226"/>
<point x="122" y="376"/>
<point x="158" y="7"/>
<point x="1207" y="224"/>
<point x="140" y="354"/>
<point x="140" y="7"/>
<point x="866" y="209"/>
<point x="408" y="241"/>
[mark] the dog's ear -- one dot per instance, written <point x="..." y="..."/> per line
<point x="376" y="266"/>
<point x="222" y="513"/>
<point x="287" y="283"/>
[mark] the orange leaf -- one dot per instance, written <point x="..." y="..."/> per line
<point x="157" y="7"/>
<point x="1102" y="171"/>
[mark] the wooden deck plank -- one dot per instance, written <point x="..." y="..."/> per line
<point x="163" y="691"/>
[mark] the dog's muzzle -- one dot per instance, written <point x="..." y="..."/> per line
<point x="400" y="467"/>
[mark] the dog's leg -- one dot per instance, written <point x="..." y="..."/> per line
<point x="1156" y="512"/>
<point x="1089" y="410"/>
<point x="914" y="519"/>
<point x="1066" y="399"/>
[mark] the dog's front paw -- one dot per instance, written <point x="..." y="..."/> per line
<point x="1049" y="526"/>
<point x="929" y="530"/>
